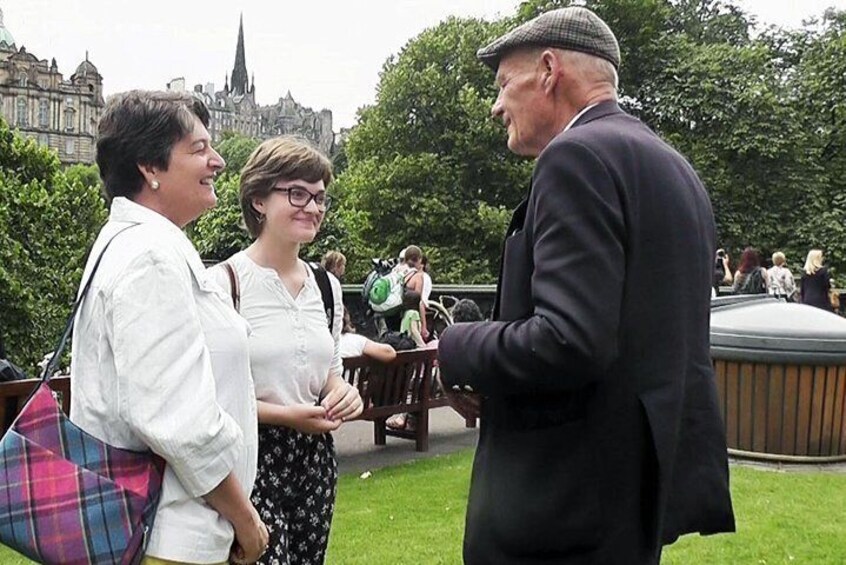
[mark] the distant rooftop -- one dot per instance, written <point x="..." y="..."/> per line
<point x="7" y="42"/>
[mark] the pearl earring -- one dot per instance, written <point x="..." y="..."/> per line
<point x="155" y="185"/>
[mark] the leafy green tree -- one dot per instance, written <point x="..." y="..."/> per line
<point x="48" y="220"/>
<point x="820" y="80"/>
<point x="739" y="130"/>
<point x="86" y="175"/>
<point x="235" y="149"/>
<point x="427" y="164"/>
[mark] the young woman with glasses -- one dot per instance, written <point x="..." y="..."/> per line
<point x="295" y="358"/>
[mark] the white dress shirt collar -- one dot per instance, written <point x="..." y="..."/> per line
<point x="579" y="115"/>
<point x="125" y="210"/>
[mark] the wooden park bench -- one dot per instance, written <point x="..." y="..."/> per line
<point x="404" y="385"/>
<point x="14" y="394"/>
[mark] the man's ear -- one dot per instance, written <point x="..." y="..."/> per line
<point x="551" y="70"/>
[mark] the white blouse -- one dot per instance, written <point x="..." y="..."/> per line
<point x="292" y="351"/>
<point x="160" y="361"/>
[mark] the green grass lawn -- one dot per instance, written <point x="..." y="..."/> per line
<point x="794" y="517"/>
<point x="414" y="514"/>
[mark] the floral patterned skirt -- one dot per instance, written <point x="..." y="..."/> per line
<point x="295" y="494"/>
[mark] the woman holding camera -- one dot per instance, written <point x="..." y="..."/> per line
<point x="722" y="271"/>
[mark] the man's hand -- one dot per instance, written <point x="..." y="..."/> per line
<point x="251" y="539"/>
<point x="468" y="404"/>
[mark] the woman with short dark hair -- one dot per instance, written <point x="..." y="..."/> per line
<point x="159" y="358"/>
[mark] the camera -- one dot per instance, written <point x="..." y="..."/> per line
<point x="721" y="253"/>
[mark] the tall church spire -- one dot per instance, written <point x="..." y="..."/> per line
<point x="239" y="72"/>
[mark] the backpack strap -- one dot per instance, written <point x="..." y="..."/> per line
<point x="234" y="285"/>
<point x="409" y="275"/>
<point x="325" y="286"/>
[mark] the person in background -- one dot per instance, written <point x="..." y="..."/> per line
<point x="159" y="357"/>
<point x="295" y="357"/>
<point x="425" y="295"/>
<point x="816" y="282"/>
<point x="466" y="310"/>
<point x="355" y="345"/>
<point x="782" y="284"/>
<point x="335" y="263"/>
<point x="410" y="327"/>
<point x="751" y="277"/>
<point x="411" y="324"/>
<point x="722" y="270"/>
<point x="409" y="268"/>
<point x="414" y="281"/>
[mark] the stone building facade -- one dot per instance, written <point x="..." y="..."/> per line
<point x="36" y="100"/>
<point x="235" y="108"/>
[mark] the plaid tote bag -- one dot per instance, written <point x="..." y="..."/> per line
<point x="65" y="496"/>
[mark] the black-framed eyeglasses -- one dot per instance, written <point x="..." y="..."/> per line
<point x="300" y="197"/>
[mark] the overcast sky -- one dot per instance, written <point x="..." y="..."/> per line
<point x="328" y="53"/>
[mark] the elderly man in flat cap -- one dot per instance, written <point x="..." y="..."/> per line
<point x="601" y="438"/>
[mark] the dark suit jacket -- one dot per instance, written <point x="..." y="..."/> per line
<point x="600" y="437"/>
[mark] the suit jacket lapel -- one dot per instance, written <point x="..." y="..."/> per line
<point x="517" y="220"/>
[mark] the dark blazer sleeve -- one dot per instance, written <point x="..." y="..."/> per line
<point x="577" y="232"/>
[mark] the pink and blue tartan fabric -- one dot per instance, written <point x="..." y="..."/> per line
<point x="67" y="497"/>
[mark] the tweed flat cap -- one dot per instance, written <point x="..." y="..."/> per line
<point x="573" y="28"/>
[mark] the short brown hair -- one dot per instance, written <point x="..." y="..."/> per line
<point x="413" y="253"/>
<point x="332" y="260"/>
<point x="140" y="127"/>
<point x="286" y="157"/>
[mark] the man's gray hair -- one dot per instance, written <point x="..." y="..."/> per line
<point x="593" y="68"/>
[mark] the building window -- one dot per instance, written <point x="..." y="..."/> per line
<point x="43" y="113"/>
<point x="70" y="147"/>
<point x="21" y="119"/>
<point x="43" y="139"/>
<point x="22" y="81"/>
<point x="69" y="117"/>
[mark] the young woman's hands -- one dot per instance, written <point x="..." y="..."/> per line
<point x="341" y="400"/>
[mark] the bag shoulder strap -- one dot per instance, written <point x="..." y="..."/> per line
<point x="409" y="275"/>
<point x="325" y="286"/>
<point x="234" y="285"/>
<point x="51" y="367"/>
